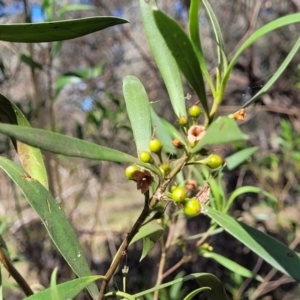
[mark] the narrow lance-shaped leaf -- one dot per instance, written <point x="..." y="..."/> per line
<point x="56" y="223"/>
<point x="182" y="50"/>
<point x="195" y="38"/>
<point x="66" y="290"/>
<point x="283" y="21"/>
<point x="138" y="109"/>
<point x="31" y="158"/>
<point x="272" y="251"/>
<point x="55" y="31"/>
<point x="165" y="61"/>
<point x="66" y="145"/>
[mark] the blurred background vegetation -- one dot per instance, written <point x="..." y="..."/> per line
<point x="74" y="87"/>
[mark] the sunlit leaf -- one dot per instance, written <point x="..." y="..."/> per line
<point x="204" y="279"/>
<point x="66" y="145"/>
<point x="239" y="157"/>
<point x="150" y="233"/>
<point x="182" y="50"/>
<point x="31" y="158"/>
<point x="165" y="62"/>
<point x="60" y="230"/>
<point x="55" y="31"/>
<point x="138" y="109"/>
<point x="272" y="251"/>
<point x="247" y="189"/>
<point x="195" y="38"/>
<point x="196" y="292"/>
<point x="231" y="265"/>
<point x="66" y="290"/>
<point x="222" y="130"/>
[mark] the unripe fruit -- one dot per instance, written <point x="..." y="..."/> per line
<point x="155" y="145"/>
<point x="179" y="194"/>
<point x="214" y="161"/>
<point x="192" y="207"/>
<point x="145" y="157"/>
<point x="195" y="111"/>
<point x="183" y="121"/>
<point x="129" y="171"/>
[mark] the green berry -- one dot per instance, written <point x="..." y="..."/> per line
<point x="129" y="171"/>
<point x="179" y="194"/>
<point x="155" y="145"/>
<point x="214" y="161"/>
<point x="195" y="111"/>
<point x="145" y="157"/>
<point x="183" y="121"/>
<point x="192" y="207"/>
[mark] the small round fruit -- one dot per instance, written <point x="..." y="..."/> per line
<point x="214" y="161"/>
<point x="179" y="194"/>
<point x="155" y="145"/>
<point x="130" y="170"/>
<point x="183" y="121"/>
<point x="195" y="111"/>
<point x="192" y="207"/>
<point x="145" y="157"/>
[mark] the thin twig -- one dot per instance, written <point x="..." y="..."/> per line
<point x="14" y="273"/>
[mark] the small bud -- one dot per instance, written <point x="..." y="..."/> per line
<point x="176" y="143"/>
<point x="183" y="121"/>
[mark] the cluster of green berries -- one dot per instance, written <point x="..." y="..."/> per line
<point x="155" y="146"/>
<point x="191" y="207"/>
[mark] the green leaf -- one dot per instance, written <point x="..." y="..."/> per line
<point x="162" y="133"/>
<point x="138" y="109"/>
<point x="62" y="144"/>
<point x="195" y="38"/>
<point x="222" y="130"/>
<point x="150" y="233"/>
<point x="247" y="189"/>
<point x="53" y="285"/>
<point x="204" y="279"/>
<point x="196" y="292"/>
<point x="30" y="62"/>
<point x="66" y="290"/>
<point x="276" y="75"/>
<point x="283" y="21"/>
<point x="239" y="157"/>
<point x="55" y="31"/>
<point x="165" y="61"/>
<point x="56" y="223"/>
<point x="272" y="251"/>
<point x="30" y="158"/>
<point x="231" y="265"/>
<point x="222" y="62"/>
<point x="182" y="49"/>
<point x="75" y="7"/>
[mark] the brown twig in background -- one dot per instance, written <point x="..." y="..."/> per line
<point x="14" y="273"/>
